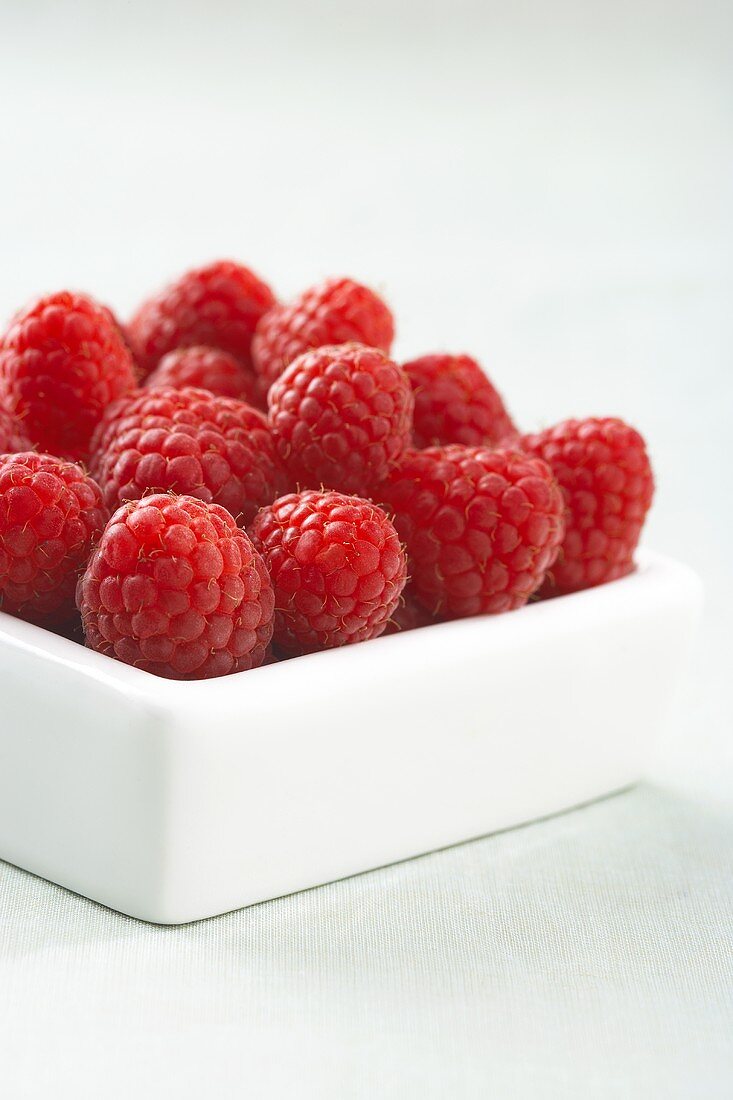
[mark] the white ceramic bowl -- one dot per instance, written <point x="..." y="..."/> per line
<point x="174" y="801"/>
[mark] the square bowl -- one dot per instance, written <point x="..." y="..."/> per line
<point x="174" y="801"/>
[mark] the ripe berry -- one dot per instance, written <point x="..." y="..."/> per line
<point x="51" y="515"/>
<point x="606" y="478"/>
<point x="62" y="361"/>
<point x="455" y="403"/>
<point x="337" y="566"/>
<point x="205" y="369"/>
<point x="341" y="417"/>
<point x="176" y="588"/>
<point x="217" y="306"/>
<point x="481" y="527"/>
<point x="187" y="441"/>
<point x="12" y="435"/>
<point x="334" y="312"/>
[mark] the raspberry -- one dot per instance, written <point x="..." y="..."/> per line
<point x="337" y="566"/>
<point x="341" y="417"/>
<point x="176" y="588"/>
<point x="51" y="515"/>
<point x="217" y="306"/>
<point x="409" y="614"/>
<point x="606" y="478"/>
<point x="334" y="312"/>
<point x="455" y="403"/>
<point x="12" y="436"/>
<point x="206" y="369"/>
<point x="187" y="441"/>
<point x="482" y="527"/>
<point x="62" y="361"/>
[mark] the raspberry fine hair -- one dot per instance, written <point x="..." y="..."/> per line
<point x="218" y="306"/>
<point x="176" y="588"/>
<point x="205" y="369"/>
<point x="455" y="403"/>
<point x="12" y="436"/>
<point x="51" y="516"/>
<point x="337" y="566"/>
<point x="336" y="311"/>
<point x="191" y="442"/>
<point x="481" y="527"/>
<point x="603" y="469"/>
<point x="341" y="417"/>
<point x="63" y="361"/>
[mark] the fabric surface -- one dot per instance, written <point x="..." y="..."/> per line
<point x="587" y="955"/>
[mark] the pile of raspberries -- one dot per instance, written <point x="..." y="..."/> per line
<point x="228" y="480"/>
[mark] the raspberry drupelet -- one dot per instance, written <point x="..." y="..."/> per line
<point x="12" y="436"/>
<point x="603" y="469"/>
<point x="62" y="362"/>
<point x="177" y="589"/>
<point x="337" y="567"/>
<point x="187" y="441"/>
<point x="341" y="417"/>
<point x="218" y="306"/>
<point x="205" y="369"/>
<point x="481" y="527"/>
<point x="455" y="403"/>
<point x="51" y="515"/>
<point x="336" y="311"/>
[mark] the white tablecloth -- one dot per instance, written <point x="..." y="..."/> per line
<point x="590" y="955"/>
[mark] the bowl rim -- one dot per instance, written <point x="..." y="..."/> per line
<point x="64" y="652"/>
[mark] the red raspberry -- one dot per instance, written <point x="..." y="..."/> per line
<point x="176" y="588"/>
<point x="62" y="362"/>
<point x="51" y="515"/>
<point x="335" y="312"/>
<point x="337" y="566"/>
<point x="455" y="403"/>
<point x="217" y="306"/>
<point x="482" y="527"/>
<point x="341" y="417"/>
<point x="187" y="441"/>
<point x="604" y="472"/>
<point x="12" y="436"/>
<point x="409" y="614"/>
<point x="206" y="369"/>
